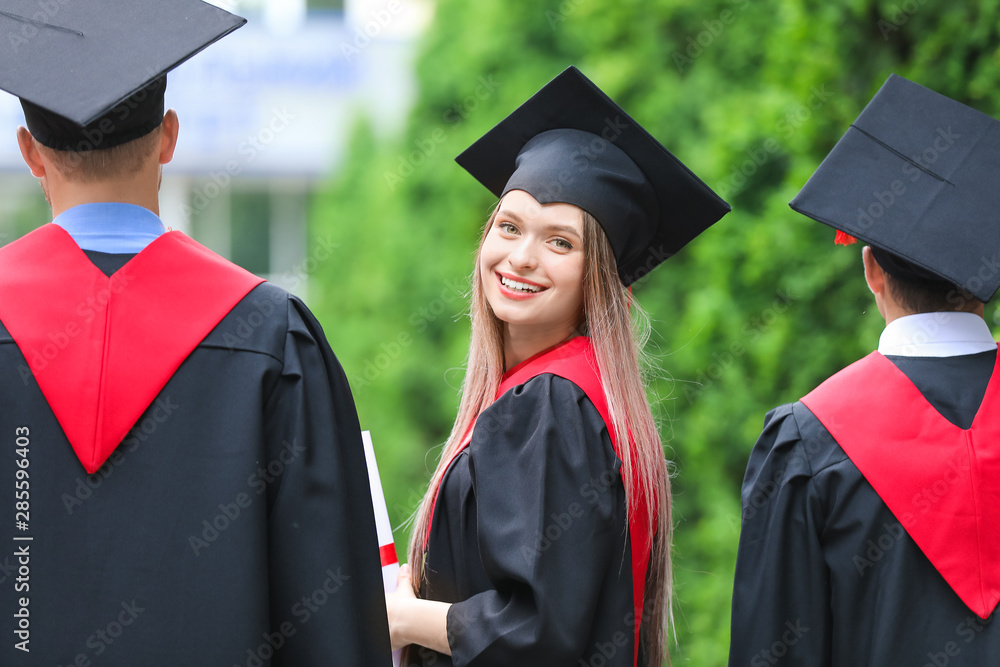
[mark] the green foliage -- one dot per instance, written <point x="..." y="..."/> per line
<point x="751" y="94"/>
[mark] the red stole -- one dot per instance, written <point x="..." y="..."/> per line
<point x="100" y="348"/>
<point x="574" y="360"/>
<point x="940" y="481"/>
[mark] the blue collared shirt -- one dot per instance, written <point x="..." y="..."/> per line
<point x="111" y="227"/>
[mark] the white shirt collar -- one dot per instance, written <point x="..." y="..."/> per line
<point x="941" y="334"/>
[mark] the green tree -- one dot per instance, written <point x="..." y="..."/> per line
<point x="751" y="94"/>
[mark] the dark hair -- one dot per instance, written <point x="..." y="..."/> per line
<point x="97" y="165"/>
<point x="926" y="298"/>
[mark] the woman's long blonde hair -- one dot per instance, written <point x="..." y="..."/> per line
<point x="618" y="329"/>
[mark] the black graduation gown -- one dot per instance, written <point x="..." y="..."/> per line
<point x="529" y="538"/>
<point x="826" y="575"/>
<point x="233" y="526"/>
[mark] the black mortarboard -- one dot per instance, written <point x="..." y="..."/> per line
<point x="571" y="143"/>
<point x="91" y="73"/>
<point x="915" y="177"/>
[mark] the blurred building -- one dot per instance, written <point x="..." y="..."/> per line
<point x="266" y="115"/>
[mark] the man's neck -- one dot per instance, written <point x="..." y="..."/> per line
<point x="892" y="314"/>
<point x="95" y="194"/>
<point x="141" y="189"/>
<point x="891" y="309"/>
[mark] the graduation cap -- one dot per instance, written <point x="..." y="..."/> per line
<point x="571" y="143"/>
<point x="91" y="73"/>
<point x="915" y="177"/>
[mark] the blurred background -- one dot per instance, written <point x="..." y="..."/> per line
<point x="317" y="148"/>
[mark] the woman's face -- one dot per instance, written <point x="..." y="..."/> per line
<point x="532" y="265"/>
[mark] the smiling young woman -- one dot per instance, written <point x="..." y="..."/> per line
<point x="544" y="535"/>
<point x="531" y="265"/>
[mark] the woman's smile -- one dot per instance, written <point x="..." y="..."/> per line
<point x="534" y="254"/>
<point x="514" y="287"/>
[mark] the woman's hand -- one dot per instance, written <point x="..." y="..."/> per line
<point x="416" y="621"/>
<point x="397" y="603"/>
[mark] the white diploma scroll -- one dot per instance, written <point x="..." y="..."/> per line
<point x="387" y="546"/>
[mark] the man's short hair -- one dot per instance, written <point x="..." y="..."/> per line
<point x="924" y="298"/>
<point x="107" y="163"/>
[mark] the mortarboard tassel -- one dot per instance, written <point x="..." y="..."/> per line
<point x="843" y="238"/>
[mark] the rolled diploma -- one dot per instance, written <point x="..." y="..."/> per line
<point x="386" y="545"/>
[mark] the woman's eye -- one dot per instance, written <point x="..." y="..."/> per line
<point x="563" y="244"/>
<point x="507" y="227"/>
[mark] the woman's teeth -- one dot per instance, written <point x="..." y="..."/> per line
<point x="518" y="287"/>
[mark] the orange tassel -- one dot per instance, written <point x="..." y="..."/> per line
<point x="843" y="238"/>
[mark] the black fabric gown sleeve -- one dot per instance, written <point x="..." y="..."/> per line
<point x="782" y="596"/>
<point x="547" y="535"/>
<point x="325" y="586"/>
